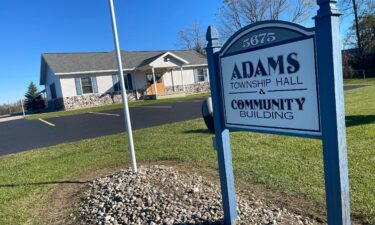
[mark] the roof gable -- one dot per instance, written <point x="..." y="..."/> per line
<point x="167" y="56"/>
<point x="167" y="59"/>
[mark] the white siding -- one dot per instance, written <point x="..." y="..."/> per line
<point x="139" y="80"/>
<point x="188" y="74"/>
<point x="167" y="78"/>
<point x="105" y="83"/>
<point x="50" y="79"/>
<point x="68" y="86"/>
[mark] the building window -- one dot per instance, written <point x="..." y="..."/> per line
<point x="52" y="88"/>
<point x="86" y="85"/>
<point x="201" y="75"/>
<point x="128" y="82"/>
<point x="158" y="78"/>
<point x="150" y="78"/>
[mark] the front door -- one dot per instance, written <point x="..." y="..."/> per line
<point x="151" y="86"/>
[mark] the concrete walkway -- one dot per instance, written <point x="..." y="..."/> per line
<point x="9" y="118"/>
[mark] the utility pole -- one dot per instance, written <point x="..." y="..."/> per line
<point x="23" y="109"/>
<point x="10" y="111"/>
<point x="123" y="90"/>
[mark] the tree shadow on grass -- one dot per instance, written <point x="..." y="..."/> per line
<point x="359" y="120"/>
<point x="350" y="121"/>
<point x="44" y="183"/>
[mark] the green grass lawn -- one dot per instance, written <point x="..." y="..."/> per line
<point x="110" y="107"/>
<point x="367" y="81"/>
<point x="288" y="164"/>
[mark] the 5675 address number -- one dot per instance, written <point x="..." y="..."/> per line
<point x="258" y="39"/>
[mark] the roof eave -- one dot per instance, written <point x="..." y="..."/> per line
<point x="92" y="72"/>
<point x="42" y="78"/>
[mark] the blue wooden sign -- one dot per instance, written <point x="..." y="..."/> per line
<point x="269" y="80"/>
<point x="282" y="78"/>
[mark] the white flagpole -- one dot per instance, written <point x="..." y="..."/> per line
<point x="123" y="90"/>
<point x="23" y="109"/>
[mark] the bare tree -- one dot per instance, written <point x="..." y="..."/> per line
<point x="235" y="14"/>
<point x="11" y="108"/>
<point x="192" y="38"/>
<point x="361" y="9"/>
<point x="302" y="10"/>
<point x="361" y="34"/>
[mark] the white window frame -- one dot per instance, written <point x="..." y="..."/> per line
<point x="92" y="88"/>
<point x="205" y="75"/>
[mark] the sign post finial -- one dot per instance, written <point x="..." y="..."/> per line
<point x="212" y="37"/>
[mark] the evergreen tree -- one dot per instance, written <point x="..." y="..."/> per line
<point x="34" y="100"/>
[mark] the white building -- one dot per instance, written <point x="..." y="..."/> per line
<point x="76" y="80"/>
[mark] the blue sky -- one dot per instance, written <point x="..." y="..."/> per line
<point x="30" y="28"/>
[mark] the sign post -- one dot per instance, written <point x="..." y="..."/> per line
<point x="222" y="134"/>
<point x="333" y="113"/>
<point x="282" y="78"/>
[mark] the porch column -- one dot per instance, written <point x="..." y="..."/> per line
<point x="174" y="89"/>
<point x="182" y="80"/>
<point x="135" y="84"/>
<point x="153" y="77"/>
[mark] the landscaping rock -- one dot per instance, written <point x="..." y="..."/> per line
<point x="161" y="195"/>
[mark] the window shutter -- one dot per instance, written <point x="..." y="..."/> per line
<point x="206" y="77"/>
<point x="114" y="81"/>
<point x="195" y="72"/>
<point x="78" y="85"/>
<point x="130" y="82"/>
<point x="94" y="85"/>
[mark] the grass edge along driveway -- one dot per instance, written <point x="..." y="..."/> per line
<point x="288" y="164"/>
<point x="113" y="106"/>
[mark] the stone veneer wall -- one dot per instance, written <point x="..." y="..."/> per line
<point x="91" y="100"/>
<point x="197" y="88"/>
<point x="189" y="88"/>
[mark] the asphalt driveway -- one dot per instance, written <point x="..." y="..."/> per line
<point x="21" y="135"/>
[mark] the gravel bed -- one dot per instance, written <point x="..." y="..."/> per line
<point x="161" y="195"/>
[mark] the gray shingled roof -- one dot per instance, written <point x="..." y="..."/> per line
<point x="96" y="61"/>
